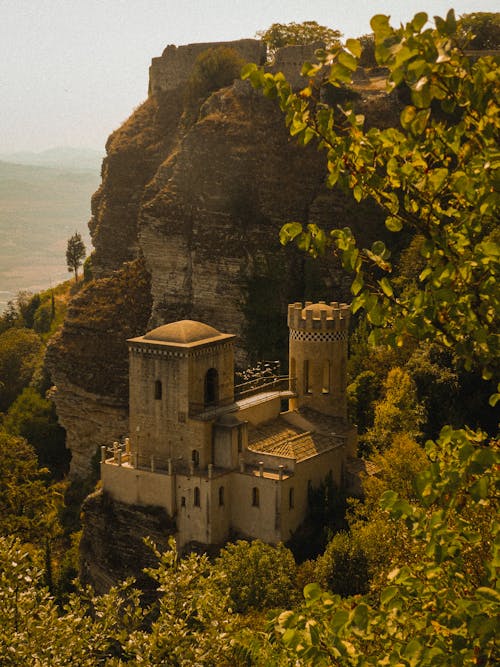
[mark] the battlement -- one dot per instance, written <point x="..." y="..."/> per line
<point x="318" y="316"/>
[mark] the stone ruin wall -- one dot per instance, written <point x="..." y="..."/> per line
<point x="173" y="67"/>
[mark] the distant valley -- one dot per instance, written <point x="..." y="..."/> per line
<point x="40" y="207"/>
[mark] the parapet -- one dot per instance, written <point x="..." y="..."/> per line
<point x="318" y="316"/>
<point x="174" y="66"/>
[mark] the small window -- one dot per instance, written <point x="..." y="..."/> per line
<point x="255" y="497"/>
<point x="195" y="457"/>
<point x="211" y="387"/>
<point x="326" y="377"/>
<point x="307" y="377"/>
<point x="221" y="496"/>
<point x="158" y="390"/>
<point x="291" y="499"/>
<point x="183" y="501"/>
<point x="196" y="501"/>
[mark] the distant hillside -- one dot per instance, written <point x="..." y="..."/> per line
<point x="40" y="207"/>
<point x="62" y="157"/>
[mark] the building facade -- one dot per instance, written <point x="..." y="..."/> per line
<point x="228" y="461"/>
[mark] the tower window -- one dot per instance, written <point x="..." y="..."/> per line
<point x="158" y="390"/>
<point x="183" y="501"/>
<point x="255" y="497"/>
<point x="195" y="458"/>
<point x="196" y="501"/>
<point x="307" y="377"/>
<point x="211" y="387"/>
<point x="221" y="496"/>
<point x="326" y="377"/>
<point x="291" y="498"/>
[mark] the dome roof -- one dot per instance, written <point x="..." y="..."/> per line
<point x="185" y="331"/>
<point x="317" y="308"/>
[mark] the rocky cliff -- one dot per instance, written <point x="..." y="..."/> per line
<point x="113" y="546"/>
<point x="185" y="225"/>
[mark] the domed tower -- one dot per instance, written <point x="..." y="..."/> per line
<point x="318" y="356"/>
<point x="179" y="373"/>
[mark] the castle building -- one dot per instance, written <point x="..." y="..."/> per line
<point x="228" y="461"/>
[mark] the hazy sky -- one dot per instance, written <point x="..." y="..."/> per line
<point x="73" y="70"/>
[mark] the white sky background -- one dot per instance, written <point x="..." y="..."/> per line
<point x="71" y="71"/>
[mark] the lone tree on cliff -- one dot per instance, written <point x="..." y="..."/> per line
<point x="75" y="253"/>
<point x="308" y="32"/>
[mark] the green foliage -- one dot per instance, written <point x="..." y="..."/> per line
<point x="42" y="319"/>
<point x="343" y="568"/>
<point x="398" y="411"/>
<point x="480" y="30"/>
<point x="436" y="174"/>
<point x="34" y="418"/>
<point x="75" y="253"/>
<point x="259" y="576"/>
<point x="213" y="69"/>
<point x="288" y="34"/>
<point x="193" y="621"/>
<point x="20" y="350"/>
<point x="434" y="609"/>
<point x="361" y="397"/>
<point x="28" y="508"/>
<point x="326" y="508"/>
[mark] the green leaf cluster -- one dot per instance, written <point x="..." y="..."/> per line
<point x="435" y="175"/>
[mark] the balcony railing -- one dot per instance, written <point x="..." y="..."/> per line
<point x="263" y="384"/>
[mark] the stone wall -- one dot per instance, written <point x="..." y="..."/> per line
<point x="173" y="67"/>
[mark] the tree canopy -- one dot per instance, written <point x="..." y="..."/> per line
<point x="289" y="34"/>
<point x="480" y="30"/>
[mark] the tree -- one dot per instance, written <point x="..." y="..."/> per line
<point x="398" y="411"/>
<point x="288" y="34"/>
<point x="34" y="418"/>
<point x="259" y="576"/>
<point x="436" y="175"/>
<point x="213" y="69"/>
<point x="75" y="253"/>
<point x="480" y="30"/>
<point x="20" y="351"/>
<point x="28" y="508"/>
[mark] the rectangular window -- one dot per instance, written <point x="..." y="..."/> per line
<point x="307" y="377"/>
<point x="326" y="377"/>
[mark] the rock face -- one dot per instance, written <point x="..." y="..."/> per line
<point x="185" y="225"/>
<point x="113" y="547"/>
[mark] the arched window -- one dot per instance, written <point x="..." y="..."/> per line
<point x="255" y="497"/>
<point x="221" y="496"/>
<point x="211" y="387"/>
<point x="291" y="498"/>
<point x="326" y="377"/>
<point x="158" y="390"/>
<point x="196" y="500"/>
<point x="195" y="457"/>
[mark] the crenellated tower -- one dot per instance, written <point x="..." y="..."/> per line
<point x="318" y="356"/>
